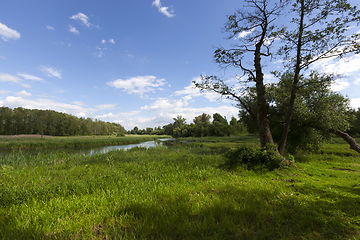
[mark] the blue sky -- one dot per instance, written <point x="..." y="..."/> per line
<point x="130" y="62"/>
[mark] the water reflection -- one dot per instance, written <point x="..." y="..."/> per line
<point x="96" y="149"/>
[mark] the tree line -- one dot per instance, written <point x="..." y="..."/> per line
<point x="48" y="122"/>
<point x="202" y="126"/>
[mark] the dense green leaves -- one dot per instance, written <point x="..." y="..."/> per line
<point x="317" y="109"/>
<point x="49" y="122"/>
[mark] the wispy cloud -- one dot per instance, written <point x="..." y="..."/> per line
<point x="163" y="10"/>
<point x="339" y="85"/>
<point x="103" y="41"/>
<point x="112" y="41"/>
<point x="101" y="52"/>
<point x="7" y="33"/>
<point x="194" y="92"/>
<point x="30" y="77"/>
<point x="138" y="85"/>
<point x="50" y="27"/>
<point x="5" y="77"/>
<point x="83" y="18"/>
<point x="50" y="71"/>
<point x="45" y="103"/>
<point x="73" y="30"/>
<point x="106" y="106"/>
<point x="347" y="67"/>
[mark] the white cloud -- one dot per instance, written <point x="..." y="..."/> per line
<point x="343" y="66"/>
<point x="103" y="41"/>
<point x="73" y="30"/>
<point x="50" y="71"/>
<point x="138" y="85"/>
<point x="357" y="81"/>
<point x="49" y="27"/>
<point x="7" y="33"/>
<point x="30" y="77"/>
<point x="23" y="94"/>
<point x="244" y="33"/>
<point x="112" y="41"/>
<point x="166" y="104"/>
<point x="194" y="92"/>
<point x="355" y="103"/>
<point x="339" y="85"/>
<point x="163" y="10"/>
<point x="43" y="104"/>
<point x="83" y="18"/>
<point x="5" y="77"/>
<point x="3" y="58"/>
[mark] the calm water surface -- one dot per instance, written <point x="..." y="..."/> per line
<point x="99" y="149"/>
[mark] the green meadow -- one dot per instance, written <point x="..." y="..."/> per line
<point x="180" y="192"/>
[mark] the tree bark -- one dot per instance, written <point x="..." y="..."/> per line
<point x="353" y="144"/>
<point x="286" y="129"/>
<point x="262" y="119"/>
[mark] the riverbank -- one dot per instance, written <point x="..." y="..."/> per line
<point x="179" y="193"/>
<point x="35" y="141"/>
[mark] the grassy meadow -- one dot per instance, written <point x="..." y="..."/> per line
<point x="180" y="192"/>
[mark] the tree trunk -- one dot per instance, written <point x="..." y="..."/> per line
<point x="353" y="144"/>
<point x="263" y="122"/>
<point x="286" y="129"/>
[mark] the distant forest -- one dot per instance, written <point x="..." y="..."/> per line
<point x="48" y="122"/>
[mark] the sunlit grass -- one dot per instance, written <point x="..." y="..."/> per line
<point x="178" y="193"/>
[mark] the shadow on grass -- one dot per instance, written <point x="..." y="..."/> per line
<point x="236" y="214"/>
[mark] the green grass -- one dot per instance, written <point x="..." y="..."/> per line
<point x="68" y="142"/>
<point x="178" y="193"/>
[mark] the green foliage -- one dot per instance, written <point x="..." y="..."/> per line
<point x="317" y="109"/>
<point x="121" y="134"/>
<point x="355" y="123"/>
<point x="203" y="118"/>
<point x="48" y="122"/>
<point x="254" y="158"/>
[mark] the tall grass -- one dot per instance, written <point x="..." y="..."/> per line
<point x="70" y="142"/>
<point x="177" y="193"/>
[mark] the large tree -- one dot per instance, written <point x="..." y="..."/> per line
<point x="255" y="32"/>
<point x="319" y="33"/>
<point x="317" y="110"/>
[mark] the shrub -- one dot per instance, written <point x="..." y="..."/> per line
<point x="254" y="158"/>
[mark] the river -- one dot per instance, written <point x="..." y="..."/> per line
<point x="92" y="150"/>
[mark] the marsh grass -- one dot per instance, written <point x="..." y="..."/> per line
<point x="32" y="142"/>
<point x="178" y="193"/>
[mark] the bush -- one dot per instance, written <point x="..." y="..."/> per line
<point x="120" y="134"/>
<point x="254" y="158"/>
